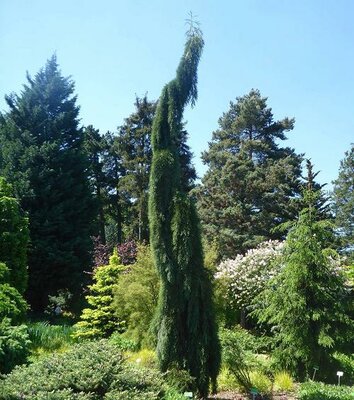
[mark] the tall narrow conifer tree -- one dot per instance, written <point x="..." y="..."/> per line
<point x="185" y="325"/>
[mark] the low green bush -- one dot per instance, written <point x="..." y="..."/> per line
<point x="227" y="381"/>
<point x="14" y="345"/>
<point x="261" y="382"/>
<point x="283" y="382"/>
<point x="123" y="343"/>
<point x="320" y="391"/>
<point x="238" y="357"/>
<point x="87" y="371"/>
<point x="346" y="364"/>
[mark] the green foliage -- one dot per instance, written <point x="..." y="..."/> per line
<point x="14" y="237"/>
<point x="122" y="342"/>
<point x="304" y="303"/>
<point x="180" y="380"/>
<point x="100" y="319"/>
<point x="143" y="358"/>
<point x="237" y="356"/>
<point x="42" y="157"/>
<point x="89" y="371"/>
<point x="261" y="382"/>
<point x="320" y="391"/>
<point x="283" y="382"/>
<point x="251" y="182"/>
<point x="14" y="345"/>
<point x="135" y="297"/>
<point x="12" y="304"/>
<point x="184" y="322"/>
<point x="46" y="338"/>
<point x="227" y="381"/>
<point x="343" y="197"/>
<point x="346" y="364"/>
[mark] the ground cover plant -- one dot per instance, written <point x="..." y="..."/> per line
<point x="90" y="371"/>
<point x="320" y="391"/>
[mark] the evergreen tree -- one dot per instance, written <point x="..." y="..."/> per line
<point x="251" y="183"/>
<point x="321" y="200"/>
<point x="117" y="199"/>
<point x="343" y="198"/>
<point x="43" y="157"/>
<point x="132" y="145"/>
<point x="14" y="237"/>
<point x="186" y="330"/>
<point x="95" y="146"/>
<point x="99" y="320"/>
<point x="305" y="303"/>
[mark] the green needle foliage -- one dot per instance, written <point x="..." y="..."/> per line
<point x="14" y="237"/>
<point x="305" y="303"/>
<point x="184" y="322"/>
<point x="99" y="320"/>
<point x="343" y="199"/>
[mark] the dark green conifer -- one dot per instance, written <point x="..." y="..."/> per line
<point x="185" y="325"/>
<point x="14" y="237"/>
<point x="42" y="156"/>
<point x="252" y="182"/>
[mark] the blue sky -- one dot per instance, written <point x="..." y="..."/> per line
<point x="300" y="54"/>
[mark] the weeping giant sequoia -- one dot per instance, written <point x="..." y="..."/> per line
<point x="184" y="323"/>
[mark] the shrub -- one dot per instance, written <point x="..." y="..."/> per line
<point x="100" y="319"/>
<point x="122" y="342"/>
<point x="346" y="364"/>
<point x="12" y="304"/>
<point x="238" y="358"/>
<point x="135" y="297"/>
<point x="248" y="274"/>
<point x="320" y="391"/>
<point x="14" y="345"/>
<point x="261" y="382"/>
<point x="227" y="381"/>
<point x="283" y="382"/>
<point x="180" y="380"/>
<point x="88" y="371"/>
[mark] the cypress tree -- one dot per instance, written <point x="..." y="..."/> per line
<point x="184" y="322"/>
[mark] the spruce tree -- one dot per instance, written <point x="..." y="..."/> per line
<point x="252" y="183"/>
<point x="306" y="303"/>
<point x="43" y="158"/>
<point x="100" y="320"/>
<point x="343" y="199"/>
<point x="14" y="237"/>
<point x="185" y="325"/>
<point x="133" y="142"/>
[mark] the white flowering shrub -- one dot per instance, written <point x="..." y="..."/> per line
<point x="247" y="275"/>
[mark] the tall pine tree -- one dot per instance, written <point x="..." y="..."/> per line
<point x="43" y="157"/>
<point x="252" y="182"/>
<point x="186" y="330"/>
